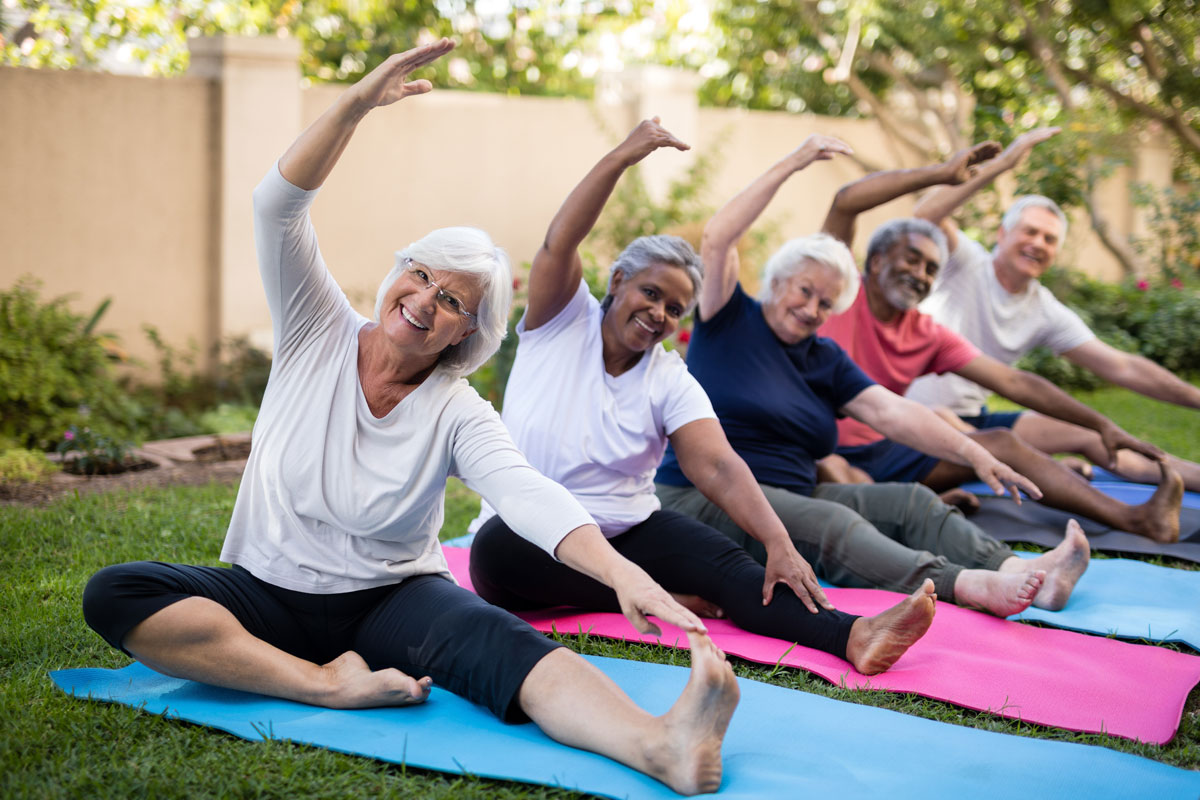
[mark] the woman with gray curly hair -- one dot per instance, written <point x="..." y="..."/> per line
<point x="778" y="389"/>
<point x="339" y="594"/>
<point x="594" y="398"/>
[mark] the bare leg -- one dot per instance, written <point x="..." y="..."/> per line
<point x="877" y="642"/>
<point x="577" y="704"/>
<point x="1157" y="518"/>
<point x="201" y="640"/>
<point x="999" y="593"/>
<point x="1055" y="436"/>
<point x="1063" y="565"/>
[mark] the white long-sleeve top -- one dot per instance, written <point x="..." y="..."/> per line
<point x="334" y="499"/>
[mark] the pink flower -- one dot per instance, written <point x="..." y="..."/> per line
<point x="684" y="336"/>
<point x="1176" y="283"/>
<point x="1143" y="285"/>
<point x="516" y="284"/>
<point x="69" y="436"/>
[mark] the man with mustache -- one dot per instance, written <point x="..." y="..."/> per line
<point x="894" y="344"/>
<point x="994" y="300"/>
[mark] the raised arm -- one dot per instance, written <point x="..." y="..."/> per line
<point x="1134" y="372"/>
<point x="880" y="187"/>
<point x="557" y="268"/>
<point x="718" y="247"/>
<point x="918" y="427"/>
<point x="310" y="159"/>
<point x="1037" y="393"/>
<point x="937" y="206"/>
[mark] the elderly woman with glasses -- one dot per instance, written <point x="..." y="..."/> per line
<point x="779" y="389"/>
<point x="339" y="594"/>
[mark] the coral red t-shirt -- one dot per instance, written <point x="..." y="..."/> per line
<point x="893" y="354"/>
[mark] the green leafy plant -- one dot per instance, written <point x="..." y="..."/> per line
<point x="86" y="452"/>
<point x="19" y="465"/>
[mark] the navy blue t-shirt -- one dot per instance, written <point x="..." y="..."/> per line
<point x="778" y="403"/>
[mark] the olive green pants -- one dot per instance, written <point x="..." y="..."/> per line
<point x="873" y="535"/>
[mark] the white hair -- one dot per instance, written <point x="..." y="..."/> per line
<point x="646" y="251"/>
<point x="1013" y="215"/>
<point x="798" y="255"/>
<point x="890" y="232"/>
<point x="471" y="251"/>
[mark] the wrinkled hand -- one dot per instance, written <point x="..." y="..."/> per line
<point x="819" y="147"/>
<point x="961" y="166"/>
<point x="961" y="499"/>
<point x="785" y="565"/>
<point x="641" y="597"/>
<point x="1114" y="439"/>
<point x="1018" y="150"/>
<point x="388" y="82"/>
<point x="647" y="137"/>
<point x="1003" y="479"/>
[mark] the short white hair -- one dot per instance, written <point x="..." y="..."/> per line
<point x="800" y="254"/>
<point x="646" y="251"/>
<point x="890" y="232"/>
<point x="1013" y="215"/>
<point x="471" y="251"/>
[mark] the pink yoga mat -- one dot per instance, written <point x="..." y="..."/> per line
<point x="1039" y="675"/>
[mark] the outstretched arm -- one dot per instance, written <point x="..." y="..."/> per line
<point x="709" y="462"/>
<point x="915" y="425"/>
<point x="1134" y="372"/>
<point x="880" y="187"/>
<point x="310" y="159"/>
<point x="718" y="248"/>
<point x="557" y="268"/>
<point x="1037" y="393"/>
<point x="938" y="205"/>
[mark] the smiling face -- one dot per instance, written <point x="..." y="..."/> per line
<point x="646" y="308"/>
<point x="801" y="303"/>
<point x="1029" y="248"/>
<point x="903" y="274"/>
<point x="416" y="323"/>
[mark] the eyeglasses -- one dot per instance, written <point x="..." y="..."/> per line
<point x="446" y="300"/>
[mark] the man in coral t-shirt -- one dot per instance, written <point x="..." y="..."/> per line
<point x="894" y="344"/>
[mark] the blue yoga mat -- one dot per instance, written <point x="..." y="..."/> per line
<point x="781" y="743"/>
<point x="1131" y="600"/>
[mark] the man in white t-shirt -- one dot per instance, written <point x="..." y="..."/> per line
<point x="995" y="301"/>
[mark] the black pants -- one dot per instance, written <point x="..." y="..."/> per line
<point x="425" y="625"/>
<point x="684" y="556"/>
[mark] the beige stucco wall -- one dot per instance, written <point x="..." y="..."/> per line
<point x="139" y="188"/>
<point x="106" y="192"/>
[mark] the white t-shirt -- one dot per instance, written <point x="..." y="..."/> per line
<point x="967" y="298"/>
<point x="601" y="437"/>
<point x="333" y="499"/>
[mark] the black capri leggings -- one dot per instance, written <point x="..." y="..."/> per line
<point x="425" y="625"/>
<point x="684" y="556"/>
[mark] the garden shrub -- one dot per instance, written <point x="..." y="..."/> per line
<point x="18" y="465"/>
<point x="55" y="372"/>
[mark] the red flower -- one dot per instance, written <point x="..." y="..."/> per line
<point x="1143" y="285"/>
<point x="1176" y="283"/>
<point x="684" y="336"/>
<point x="516" y="284"/>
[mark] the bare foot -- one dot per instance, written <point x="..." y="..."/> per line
<point x="699" y="606"/>
<point x="687" y="755"/>
<point x="1079" y="466"/>
<point x="877" y="642"/>
<point x="352" y="684"/>
<point x="1158" y="517"/>
<point x="1001" y="593"/>
<point x="964" y="501"/>
<point x="1063" y="566"/>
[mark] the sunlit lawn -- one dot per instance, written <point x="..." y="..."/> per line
<point x="55" y="746"/>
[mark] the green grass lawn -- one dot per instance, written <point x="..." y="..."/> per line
<point x="55" y="746"/>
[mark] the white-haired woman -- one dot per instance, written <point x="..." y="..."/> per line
<point x="593" y="400"/>
<point x="339" y="594"/>
<point x="778" y="390"/>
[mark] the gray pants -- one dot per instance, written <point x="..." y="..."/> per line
<point x="873" y="535"/>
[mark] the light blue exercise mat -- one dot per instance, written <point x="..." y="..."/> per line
<point x="781" y="743"/>
<point x="1132" y="600"/>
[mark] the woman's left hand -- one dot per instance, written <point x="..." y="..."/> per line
<point x="388" y="82"/>
<point x="641" y="597"/>
<point x="785" y="565"/>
